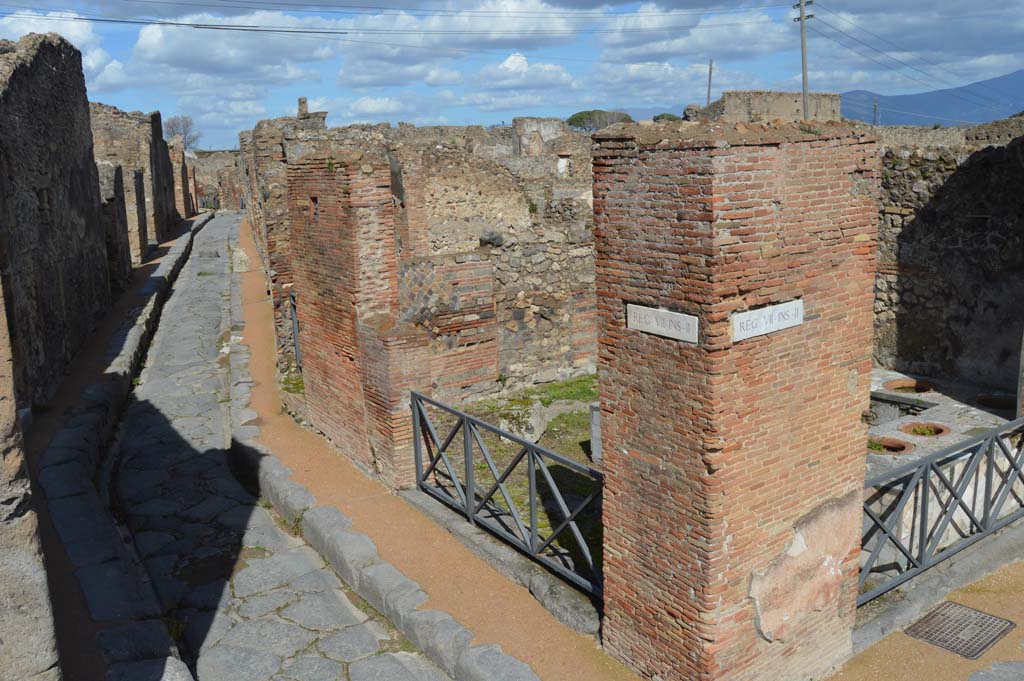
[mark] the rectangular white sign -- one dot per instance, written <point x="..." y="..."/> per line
<point x="662" y="322"/>
<point x="767" y="319"/>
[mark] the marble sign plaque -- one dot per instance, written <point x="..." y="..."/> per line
<point x="766" y="320"/>
<point x="662" y="322"/>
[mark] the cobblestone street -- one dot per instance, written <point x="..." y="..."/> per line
<point x="246" y="598"/>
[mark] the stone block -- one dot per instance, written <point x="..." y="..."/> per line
<point x="489" y="663"/>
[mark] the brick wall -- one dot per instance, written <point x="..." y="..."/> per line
<point x="733" y="470"/>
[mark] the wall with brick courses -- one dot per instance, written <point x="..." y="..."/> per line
<point x="951" y="257"/>
<point x="52" y="241"/>
<point x="354" y="355"/>
<point x="115" y="224"/>
<point x="733" y="471"/>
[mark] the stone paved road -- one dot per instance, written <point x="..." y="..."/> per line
<point x="245" y="599"/>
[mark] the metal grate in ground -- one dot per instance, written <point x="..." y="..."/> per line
<point x="959" y="629"/>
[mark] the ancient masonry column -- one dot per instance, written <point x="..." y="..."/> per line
<point x="735" y="269"/>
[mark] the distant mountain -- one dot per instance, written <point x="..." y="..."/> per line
<point x="978" y="102"/>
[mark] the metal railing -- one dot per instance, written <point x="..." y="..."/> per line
<point x="294" y="308"/>
<point x="497" y="504"/>
<point x="928" y="510"/>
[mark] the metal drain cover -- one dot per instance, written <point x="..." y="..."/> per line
<point x="959" y="629"/>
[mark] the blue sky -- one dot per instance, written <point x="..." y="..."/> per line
<point x="487" y="61"/>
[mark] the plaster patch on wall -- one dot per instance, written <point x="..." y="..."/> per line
<point x="806" y="578"/>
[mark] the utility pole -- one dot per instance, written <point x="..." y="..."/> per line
<point x="874" y="119"/>
<point x="804" y="16"/>
<point x="711" y="68"/>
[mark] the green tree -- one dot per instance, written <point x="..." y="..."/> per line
<point x="666" y="117"/>
<point x="596" y="119"/>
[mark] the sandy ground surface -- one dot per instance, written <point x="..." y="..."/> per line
<point x="459" y="583"/>
<point x="80" y="659"/>
<point x="899" y="657"/>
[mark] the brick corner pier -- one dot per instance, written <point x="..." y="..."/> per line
<point x="735" y="269"/>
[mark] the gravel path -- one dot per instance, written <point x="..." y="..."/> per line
<point x="243" y="596"/>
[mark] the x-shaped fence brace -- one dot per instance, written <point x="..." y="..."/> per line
<point x="976" y="475"/>
<point x="434" y="465"/>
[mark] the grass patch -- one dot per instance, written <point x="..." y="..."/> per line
<point x="567" y="435"/>
<point x="579" y="389"/>
<point x="925" y="430"/>
<point x="293" y="383"/>
<point x="875" y="445"/>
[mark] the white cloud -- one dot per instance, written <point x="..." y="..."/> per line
<point x="78" y="33"/>
<point x="517" y="73"/>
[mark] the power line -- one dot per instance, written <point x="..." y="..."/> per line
<point x="890" y="56"/>
<point x="900" y="47"/>
<point x="862" y="107"/>
<point x="375" y="10"/>
<point x="256" y="28"/>
<point x="889" y="66"/>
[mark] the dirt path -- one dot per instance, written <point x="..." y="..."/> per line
<point x="459" y="583"/>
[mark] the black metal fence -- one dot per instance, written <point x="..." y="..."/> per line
<point x="543" y="504"/>
<point x="929" y="510"/>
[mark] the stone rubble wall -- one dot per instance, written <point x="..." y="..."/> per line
<point x="115" y="223"/>
<point x="52" y="236"/>
<point x="951" y="255"/>
<point x="135" y="142"/>
<point x="184" y="205"/>
<point x="217" y="179"/>
<point x="54" y="287"/>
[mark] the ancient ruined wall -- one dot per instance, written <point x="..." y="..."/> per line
<point x="28" y="647"/>
<point x="183" y="205"/>
<point x="166" y="216"/>
<point x="528" y="216"/>
<point x="754" y="106"/>
<point x="951" y="257"/>
<point x="52" y="241"/>
<point x="356" y="359"/>
<point x="218" y="182"/>
<point x="115" y="224"/>
<point x="732" y="506"/>
<point x="135" y="142"/>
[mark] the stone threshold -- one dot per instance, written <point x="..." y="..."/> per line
<point x="115" y="587"/>
<point x="352" y="554"/>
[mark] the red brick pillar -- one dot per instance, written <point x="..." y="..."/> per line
<point x="358" y="363"/>
<point x="731" y="399"/>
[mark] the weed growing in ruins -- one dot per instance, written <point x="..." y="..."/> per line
<point x="924" y="430"/>
<point x="292" y="383"/>
<point x="876" y="445"/>
<point x="579" y="389"/>
<point x="809" y="130"/>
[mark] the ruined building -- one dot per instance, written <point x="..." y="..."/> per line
<point x="217" y="179"/>
<point x="757" y="106"/>
<point x="479" y="273"/>
<point x="135" y="142"/>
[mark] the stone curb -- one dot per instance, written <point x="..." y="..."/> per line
<point x="113" y="584"/>
<point x="569" y="606"/>
<point x="351" y="554"/>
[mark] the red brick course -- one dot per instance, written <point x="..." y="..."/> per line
<point x="717" y="454"/>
